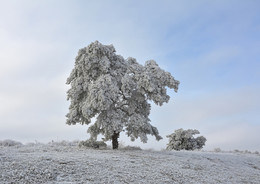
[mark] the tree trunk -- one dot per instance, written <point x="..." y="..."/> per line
<point x="114" y="140"/>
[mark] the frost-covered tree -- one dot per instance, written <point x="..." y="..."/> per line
<point x="116" y="92"/>
<point x="183" y="139"/>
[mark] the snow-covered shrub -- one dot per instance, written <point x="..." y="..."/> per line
<point x="184" y="140"/>
<point x="200" y="142"/>
<point x="217" y="150"/>
<point x="9" y="142"/>
<point x="63" y="143"/>
<point x="92" y="144"/>
<point x="237" y="151"/>
<point x="247" y="152"/>
<point x="131" y="148"/>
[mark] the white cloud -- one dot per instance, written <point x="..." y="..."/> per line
<point x="13" y="54"/>
<point x="234" y="135"/>
<point x="213" y="114"/>
<point x="208" y="106"/>
<point x="220" y="55"/>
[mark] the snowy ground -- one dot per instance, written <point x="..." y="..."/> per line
<point x="67" y="163"/>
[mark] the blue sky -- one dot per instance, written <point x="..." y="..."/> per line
<point x="211" y="47"/>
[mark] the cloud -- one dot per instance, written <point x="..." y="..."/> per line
<point x="36" y="111"/>
<point x="13" y="54"/>
<point x="220" y="56"/>
<point x="222" y="117"/>
<point x="239" y="135"/>
<point x="214" y="106"/>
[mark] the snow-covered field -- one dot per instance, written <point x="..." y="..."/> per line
<point x="67" y="163"/>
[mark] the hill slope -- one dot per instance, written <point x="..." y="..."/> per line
<point x="57" y="163"/>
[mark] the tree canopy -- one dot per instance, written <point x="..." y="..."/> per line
<point x="116" y="92"/>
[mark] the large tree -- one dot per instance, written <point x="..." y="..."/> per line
<point x="116" y="92"/>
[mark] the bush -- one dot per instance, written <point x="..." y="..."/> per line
<point x="237" y="151"/>
<point x="63" y="143"/>
<point x="92" y="144"/>
<point x="131" y="148"/>
<point x="247" y="152"/>
<point x="8" y="142"/>
<point x="217" y="150"/>
<point x="184" y="140"/>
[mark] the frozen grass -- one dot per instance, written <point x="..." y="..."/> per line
<point x="65" y="162"/>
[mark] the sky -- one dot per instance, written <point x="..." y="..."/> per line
<point x="211" y="47"/>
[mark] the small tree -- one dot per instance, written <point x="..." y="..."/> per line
<point x="115" y="91"/>
<point x="183" y="139"/>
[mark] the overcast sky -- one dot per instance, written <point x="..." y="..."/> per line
<point x="211" y="47"/>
